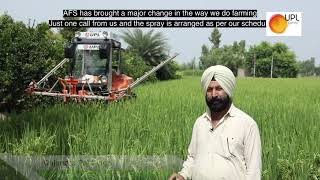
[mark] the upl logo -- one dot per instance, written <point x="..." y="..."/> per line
<point x="292" y="17"/>
<point x="283" y="23"/>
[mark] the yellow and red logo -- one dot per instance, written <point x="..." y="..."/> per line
<point x="284" y="23"/>
<point x="278" y="23"/>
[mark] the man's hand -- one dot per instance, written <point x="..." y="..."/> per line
<point x="176" y="176"/>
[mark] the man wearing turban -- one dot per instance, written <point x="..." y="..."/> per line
<point x="225" y="142"/>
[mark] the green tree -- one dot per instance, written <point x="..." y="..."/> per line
<point x="308" y="67"/>
<point x="134" y="66"/>
<point x="215" y="38"/>
<point x="284" y="60"/>
<point x="25" y="53"/>
<point x="204" y="50"/>
<point x="317" y="71"/>
<point x="232" y="56"/>
<point x="204" y="55"/>
<point x="153" y="48"/>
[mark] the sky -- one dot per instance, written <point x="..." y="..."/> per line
<point x="188" y="41"/>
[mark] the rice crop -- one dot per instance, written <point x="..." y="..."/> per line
<point x="159" y="122"/>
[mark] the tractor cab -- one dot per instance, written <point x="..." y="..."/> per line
<point x="95" y="60"/>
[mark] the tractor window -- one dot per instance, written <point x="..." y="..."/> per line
<point x="88" y="62"/>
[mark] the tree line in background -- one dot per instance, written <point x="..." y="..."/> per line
<point x="259" y="60"/>
<point x="309" y="68"/>
<point x="29" y="52"/>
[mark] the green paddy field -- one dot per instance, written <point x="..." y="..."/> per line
<point x="159" y="123"/>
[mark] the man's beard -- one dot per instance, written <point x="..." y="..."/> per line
<point x="218" y="104"/>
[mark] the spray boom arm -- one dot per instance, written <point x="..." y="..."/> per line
<point x="147" y="74"/>
<point x="52" y="71"/>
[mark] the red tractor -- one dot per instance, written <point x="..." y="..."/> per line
<point x="94" y="71"/>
